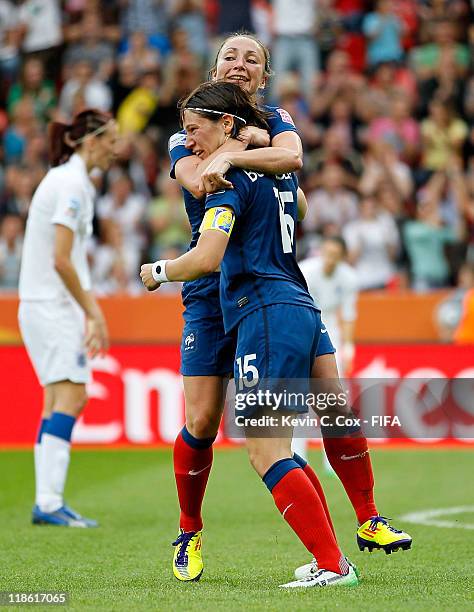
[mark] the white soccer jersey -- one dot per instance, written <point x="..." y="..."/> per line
<point x="335" y="294"/>
<point x="64" y="197"/>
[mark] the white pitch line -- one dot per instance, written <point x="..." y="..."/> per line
<point x="429" y="517"/>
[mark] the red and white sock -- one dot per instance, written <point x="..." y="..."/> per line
<point x="192" y="464"/>
<point x="350" y="459"/>
<point x="318" y="487"/>
<point x="301" y="507"/>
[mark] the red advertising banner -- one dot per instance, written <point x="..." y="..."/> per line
<point x="136" y="395"/>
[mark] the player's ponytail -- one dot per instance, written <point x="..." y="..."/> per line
<point x="64" y="139"/>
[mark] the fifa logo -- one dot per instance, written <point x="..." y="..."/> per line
<point x="189" y="342"/>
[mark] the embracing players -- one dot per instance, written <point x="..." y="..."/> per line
<point x="249" y="230"/>
<point x="206" y="352"/>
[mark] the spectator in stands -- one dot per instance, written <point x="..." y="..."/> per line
<point x="425" y="59"/>
<point x="446" y="83"/>
<point x="188" y="15"/>
<point x="425" y="239"/>
<point x="23" y="126"/>
<point x="91" y="47"/>
<point x="35" y="86"/>
<point x="373" y="243"/>
<point x="443" y="134"/>
<point x="10" y="37"/>
<point x="126" y="208"/>
<point x="338" y="81"/>
<point x="388" y="80"/>
<point x="20" y="185"/>
<point x="41" y="25"/>
<point x="290" y="98"/>
<point x="140" y="104"/>
<point x="399" y="129"/>
<point x="329" y="28"/>
<point x="407" y="13"/>
<point x="123" y="81"/>
<point x="149" y="16"/>
<point x="382" y="164"/>
<point x="109" y="274"/>
<point x="295" y="46"/>
<point x="334" y="150"/>
<point x="140" y="53"/>
<point x="11" y="244"/>
<point x="383" y="30"/>
<point x="332" y="203"/>
<point x="183" y="72"/>
<point x="84" y="89"/>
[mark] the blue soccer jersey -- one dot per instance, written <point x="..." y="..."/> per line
<point x="259" y="266"/>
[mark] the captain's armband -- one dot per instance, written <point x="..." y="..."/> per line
<point x="220" y="218"/>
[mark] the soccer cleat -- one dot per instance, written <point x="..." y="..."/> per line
<point x="324" y="578"/>
<point x="378" y="533"/>
<point x="187" y="560"/>
<point x="310" y="569"/>
<point x="63" y="517"/>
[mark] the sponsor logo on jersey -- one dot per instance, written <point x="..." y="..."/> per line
<point x="81" y="360"/>
<point x="285" y="116"/>
<point x="189" y="342"/>
<point x="176" y="140"/>
<point x="73" y="207"/>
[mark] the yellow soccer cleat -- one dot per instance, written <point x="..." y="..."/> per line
<point x="187" y="560"/>
<point x="378" y="533"/>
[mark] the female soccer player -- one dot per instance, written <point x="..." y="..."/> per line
<point x="59" y="318"/>
<point x="262" y="289"/>
<point x="206" y="352"/>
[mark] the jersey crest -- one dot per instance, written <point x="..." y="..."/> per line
<point x="285" y="116"/>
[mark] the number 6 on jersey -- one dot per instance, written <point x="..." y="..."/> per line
<point x="287" y="222"/>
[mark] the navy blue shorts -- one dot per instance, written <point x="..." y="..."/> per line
<point x="205" y="348"/>
<point x="275" y="345"/>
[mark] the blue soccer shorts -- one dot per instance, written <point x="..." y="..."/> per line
<point x="205" y="348"/>
<point x="276" y="348"/>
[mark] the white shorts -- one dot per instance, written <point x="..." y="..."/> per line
<point x="54" y="336"/>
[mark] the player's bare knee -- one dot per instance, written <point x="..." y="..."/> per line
<point x="203" y="425"/>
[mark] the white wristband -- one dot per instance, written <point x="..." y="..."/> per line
<point x="158" y="271"/>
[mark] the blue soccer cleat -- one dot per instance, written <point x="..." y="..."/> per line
<point x="63" y="517"/>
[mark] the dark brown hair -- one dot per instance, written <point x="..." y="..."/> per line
<point x="244" y="34"/>
<point x="63" y="138"/>
<point x="220" y="98"/>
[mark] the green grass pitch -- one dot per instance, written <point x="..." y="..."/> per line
<point x="248" y="548"/>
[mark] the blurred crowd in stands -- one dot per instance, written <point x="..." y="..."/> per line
<point x="382" y="94"/>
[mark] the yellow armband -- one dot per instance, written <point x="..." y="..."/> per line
<point x="219" y="218"/>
